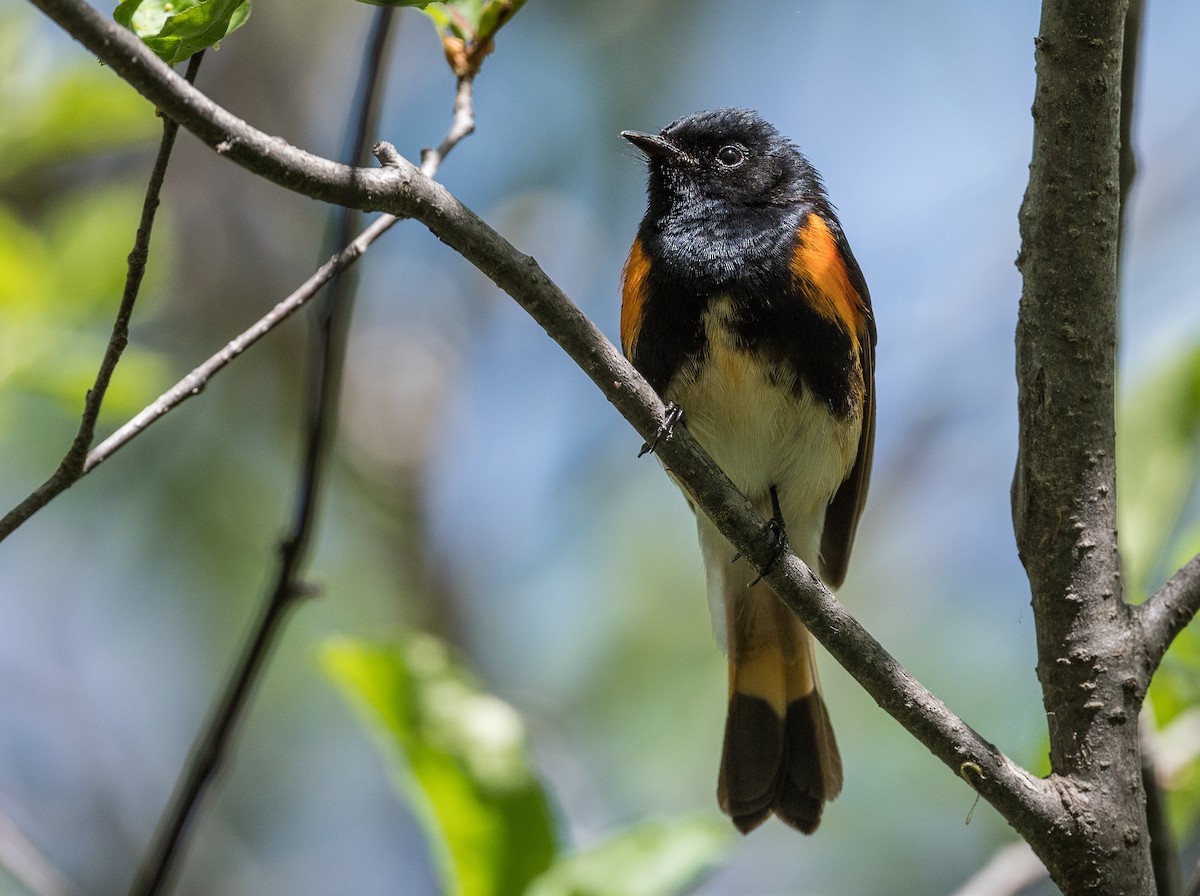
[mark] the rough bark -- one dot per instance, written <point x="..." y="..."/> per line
<point x="1064" y="495"/>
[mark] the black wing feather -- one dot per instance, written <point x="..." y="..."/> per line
<point x="841" y="517"/>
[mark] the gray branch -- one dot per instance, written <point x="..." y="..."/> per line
<point x="1168" y="612"/>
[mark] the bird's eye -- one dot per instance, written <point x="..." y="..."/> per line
<point x="730" y="156"/>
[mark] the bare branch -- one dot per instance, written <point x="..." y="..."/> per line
<point x="195" y="382"/>
<point x="216" y="736"/>
<point x="21" y="858"/>
<point x="1168" y="612"/>
<point x="1064" y="509"/>
<point x="1011" y="870"/>
<point x="1064" y="495"/>
<point x="74" y="465"/>
<point x="1163" y="849"/>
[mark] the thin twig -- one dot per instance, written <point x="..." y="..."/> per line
<point x="1164" y="852"/>
<point x="462" y="126"/>
<point x="1011" y="870"/>
<point x="215" y="737"/>
<point x="1193" y="884"/>
<point x="74" y="463"/>
<point x="1130" y="53"/>
<point x="195" y="382"/>
<point x="21" y="858"/>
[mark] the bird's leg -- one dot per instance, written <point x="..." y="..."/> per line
<point x="778" y="535"/>
<point x="674" y="413"/>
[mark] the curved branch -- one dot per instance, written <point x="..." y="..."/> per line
<point x="1029" y="804"/>
<point x="270" y="157"/>
<point x="1168" y="612"/>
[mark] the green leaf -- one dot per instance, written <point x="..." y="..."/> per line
<point x="466" y="27"/>
<point x="457" y="755"/>
<point x="658" y="858"/>
<point x="472" y="21"/>
<point x="416" y="4"/>
<point x="177" y="29"/>
<point x="495" y="13"/>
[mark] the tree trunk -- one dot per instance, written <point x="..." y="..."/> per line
<point x="1064" y="491"/>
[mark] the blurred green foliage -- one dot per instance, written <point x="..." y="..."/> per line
<point x="1158" y="444"/>
<point x="177" y="29"/>
<point x="651" y="859"/>
<point x="1158" y="453"/>
<point x="62" y="259"/>
<point x="59" y="114"/>
<point x="458" y="758"/>
<point x="458" y="755"/>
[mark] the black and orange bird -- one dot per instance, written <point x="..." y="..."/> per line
<point x="743" y="306"/>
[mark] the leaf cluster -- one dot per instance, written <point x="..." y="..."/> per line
<point x="178" y="29"/>
<point x="459" y="757"/>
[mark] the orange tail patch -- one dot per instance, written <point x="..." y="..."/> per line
<point x="780" y="755"/>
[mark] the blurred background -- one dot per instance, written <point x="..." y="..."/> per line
<point x="483" y="490"/>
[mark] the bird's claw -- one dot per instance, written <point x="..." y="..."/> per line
<point x="674" y="413"/>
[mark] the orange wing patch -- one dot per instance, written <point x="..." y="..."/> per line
<point x="818" y="260"/>
<point x="633" y="296"/>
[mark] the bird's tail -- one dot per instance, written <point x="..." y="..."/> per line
<point x="780" y="754"/>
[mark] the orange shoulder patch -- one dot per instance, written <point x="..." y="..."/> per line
<point x="817" y="260"/>
<point x="633" y="296"/>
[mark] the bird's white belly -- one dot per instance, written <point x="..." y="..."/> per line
<point x="764" y="432"/>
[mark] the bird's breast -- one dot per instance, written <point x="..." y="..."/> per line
<point x="760" y="423"/>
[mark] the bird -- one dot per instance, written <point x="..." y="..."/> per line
<point x="744" y="308"/>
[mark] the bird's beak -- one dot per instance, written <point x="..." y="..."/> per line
<point x="652" y="145"/>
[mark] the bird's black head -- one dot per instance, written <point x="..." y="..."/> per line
<point x="727" y="193"/>
<point x="727" y="160"/>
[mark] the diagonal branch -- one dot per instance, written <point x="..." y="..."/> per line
<point x="401" y="189"/>
<point x="195" y="382"/>
<point x="1011" y="870"/>
<point x="74" y="463"/>
<point x="1168" y="612"/>
<point x="22" y="860"/>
